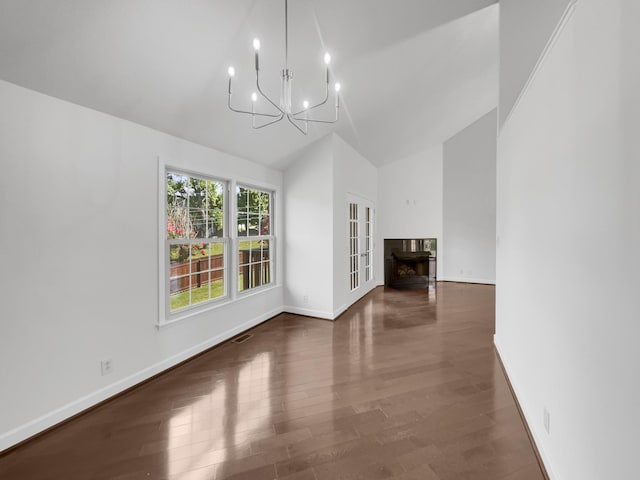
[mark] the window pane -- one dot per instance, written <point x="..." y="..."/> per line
<point x="241" y="198"/>
<point x="215" y="209"/>
<point x="177" y="213"/>
<point x="265" y="200"/>
<point x="200" y="287"/>
<point x="254" y="224"/>
<point x="265" y="225"/>
<point x="179" y="253"/>
<point x="179" y="275"/>
<point x="177" y="222"/>
<point x="243" y="251"/>
<point x="254" y="212"/>
<point x="243" y="229"/>
<point x="216" y="253"/>
<point x="264" y="250"/>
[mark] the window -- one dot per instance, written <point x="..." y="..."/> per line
<point x="195" y="240"/>
<point x="217" y="248"/>
<point x="255" y="237"/>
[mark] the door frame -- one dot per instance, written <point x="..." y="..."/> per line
<point x="364" y="285"/>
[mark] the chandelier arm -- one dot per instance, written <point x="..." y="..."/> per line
<point x="313" y="120"/>
<point x="265" y="96"/>
<point x="252" y="113"/>
<point x="291" y="121"/>
<point x="258" y="127"/>
<point x="326" y="97"/>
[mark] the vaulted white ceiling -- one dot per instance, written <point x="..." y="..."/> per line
<point x="414" y="72"/>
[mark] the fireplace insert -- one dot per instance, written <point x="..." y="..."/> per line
<point x="410" y="263"/>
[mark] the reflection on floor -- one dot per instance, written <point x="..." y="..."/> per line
<point x="405" y="385"/>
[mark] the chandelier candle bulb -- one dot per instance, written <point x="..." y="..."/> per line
<point x="327" y="58"/>
<point x="256" y="47"/>
<point x="232" y="72"/>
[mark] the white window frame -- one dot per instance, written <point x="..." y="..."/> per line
<point x="166" y="315"/>
<point x="238" y="239"/>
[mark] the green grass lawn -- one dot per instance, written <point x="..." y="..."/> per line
<point x="201" y="294"/>
<point x="198" y="295"/>
<point x="246" y="244"/>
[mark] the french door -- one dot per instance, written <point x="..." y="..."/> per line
<point x="360" y="223"/>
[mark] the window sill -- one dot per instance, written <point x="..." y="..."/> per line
<point x="195" y="311"/>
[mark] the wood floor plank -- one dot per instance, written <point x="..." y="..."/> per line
<point x="403" y="386"/>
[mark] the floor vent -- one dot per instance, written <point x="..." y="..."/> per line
<point x="242" y="338"/>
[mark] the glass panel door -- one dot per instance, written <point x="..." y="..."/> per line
<point x="354" y="247"/>
<point x="360" y="235"/>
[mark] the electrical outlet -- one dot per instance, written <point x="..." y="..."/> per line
<point x="547" y="420"/>
<point x="305" y="299"/>
<point x="106" y="366"/>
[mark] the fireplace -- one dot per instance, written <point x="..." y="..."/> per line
<point x="410" y="263"/>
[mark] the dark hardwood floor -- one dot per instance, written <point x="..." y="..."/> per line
<point x="405" y="386"/>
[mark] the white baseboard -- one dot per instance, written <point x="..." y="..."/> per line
<point x="48" y="420"/>
<point x="340" y="310"/>
<point x="546" y="460"/>
<point x="308" y="312"/>
<point x="483" y="281"/>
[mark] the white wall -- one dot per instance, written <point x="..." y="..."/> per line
<point x="79" y="256"/>
<point x="469" y="206"/>
<point x="525" y="28"/>
<point x="352" y="175"/>
<point x="316" y="186"/>
<point x="569" y="227"/>
<point x="309" y="231"/>
<point x="410" y="202"/>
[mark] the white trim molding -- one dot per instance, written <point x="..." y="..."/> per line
<point x="308" y="312"/>
<point x="566" y="15"/>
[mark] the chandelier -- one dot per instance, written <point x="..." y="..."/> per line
<point x="299" y="118"/>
